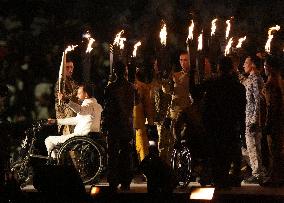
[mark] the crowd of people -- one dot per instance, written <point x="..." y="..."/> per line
<point x="231" y="118"/>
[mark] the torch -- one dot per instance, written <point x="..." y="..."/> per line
<point x="62" y="76"/>
<point x="163" y="51"/>
<point x="87" y="57"/>
<point x="199" y="58"/>
<point x="189" y="39"/>
<point x="118" y="41"/>
<point x="270" y="37"/>
<point x="228" y="46"/>
<point x="134" y="53"/>
<point x="240" y="42"/>
<point x="228" y="22"/>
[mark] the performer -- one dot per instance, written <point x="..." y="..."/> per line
<point x="253" y="134"/>
<point x="117" y="123"/>
<point x="179" y="89"/>
<point x="87" y="120"/>
<point x="142" y="111"/>
<point x="70" y="92"/>
<point x="224" y="121"/>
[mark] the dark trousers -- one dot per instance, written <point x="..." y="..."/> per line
<point x="119" y="161"/>
<point x="226" y="152"/>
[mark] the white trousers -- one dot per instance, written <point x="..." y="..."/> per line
<point x="52" y="141"/>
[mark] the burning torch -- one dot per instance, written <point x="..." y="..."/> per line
<point x="62" y="76"/>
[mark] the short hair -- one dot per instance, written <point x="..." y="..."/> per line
<point x="273" y="62"/>
<point x="225" y="64"/>
<point x="255" y="60"/>
<point x="88" y="88"/>
<point x="183" y="52"/>
<point x="119" y="68"/>
<point x="140" y="74"/>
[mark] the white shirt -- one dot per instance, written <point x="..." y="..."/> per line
<point x="88" y="117"/>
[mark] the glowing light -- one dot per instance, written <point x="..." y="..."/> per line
<point x="91" y="40"/>
<point x="228" y="22"/>
<point x="241" y="40"/>
<point x="119" y="41"/>
<point x="70" y="48"/>
<point x="202" y="193"/>
<point x="228" y="47"/>
<point x="163" y="35"/>
<point x="200" y="41"/>
<point x="213" y="26"/>
<point x="135" y="48"/>
<point x="190" y="31"/>
<point x="95" y="190"/>
<point x="270" y="37"/>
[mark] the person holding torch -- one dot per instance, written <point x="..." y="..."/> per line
<point x="69" y="87"/>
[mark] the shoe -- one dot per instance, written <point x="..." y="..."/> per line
<point x="124" y="187"/>
<point x="269" y="182"/>
<point x="112" y="188"/>
<point x="253" y="180"/>
<point x="141" y="178"/>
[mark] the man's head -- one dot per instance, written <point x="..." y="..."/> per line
<point x="184" y="61"/>
<point x="119" y="69"/>
<point x="251" y="64"/>
<point x="69" y="69"/>
<point x="85" y="91"/>
<point x="225" y="65"/>
<point x="271" y="65"/>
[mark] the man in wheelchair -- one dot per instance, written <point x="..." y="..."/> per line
<point x="87" y="119"/>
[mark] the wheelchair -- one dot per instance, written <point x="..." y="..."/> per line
<point x="181" y="163"/>
<point x="86" y="153"/>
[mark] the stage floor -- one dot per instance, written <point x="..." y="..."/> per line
<point x="138" y="193"/>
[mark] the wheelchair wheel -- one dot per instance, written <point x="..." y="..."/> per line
<point x="86" y="155"/>
<point x="181" y="165"/>
<point x="23" y="172"/>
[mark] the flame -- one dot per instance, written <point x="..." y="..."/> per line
<point x="91" y="40"/>
<point x="213" y="27"/>
<point x="163" y="35"/>
<point x="135" y="48"/>
<point x="227" y="49"/>
<point x="200" y="39"/>
<point x="70" y="48"/>
<point x="239" y="45"/>
<point x="270" y="37"/>
<point x="87" y="35"/>
<point x="119" y="41"/>
<point x="228" y="28"/>
<point x="190" y="31"/>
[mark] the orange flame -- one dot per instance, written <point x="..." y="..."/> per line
<point x="70" y="48"/>
<point x="119" y="41"/>
<point x="135" y="48"/>
<point x="190" y="31"/>
<point x="228" y="22"/>
<point x="239" y="45"/>
<point x="270" y="37"/>
<point x="163" y="34"/>
<point x="200" y="41"/>
<point x="213" y="27"/>
<point x="228" y="47"/>
<point x="91" y="40"/>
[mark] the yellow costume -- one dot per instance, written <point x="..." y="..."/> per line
<point x="142" y="111"/>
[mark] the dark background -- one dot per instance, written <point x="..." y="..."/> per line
<point x="33" y="34"/>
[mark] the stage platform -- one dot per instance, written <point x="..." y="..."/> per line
<point x="138" y="193"/>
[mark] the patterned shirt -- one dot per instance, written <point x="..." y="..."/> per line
<point x="253" y="85"/>
<point x="62" y="111"/>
